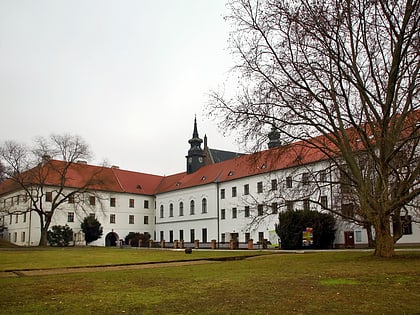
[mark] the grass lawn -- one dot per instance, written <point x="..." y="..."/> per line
<point x="311" y="283"/>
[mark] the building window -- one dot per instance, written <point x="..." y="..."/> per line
<point x="171" y="236"/>
<point x="204" y="205"/>
<point x="222" y="194"/>
<point x="131" y="219"/>
<point x="146" y="219"/>
<point x="233" y="191"/>
<point x="305" y="179"/>
<point x="259" y="187"/>
<point x="234" y="213"/>
<point x="289" y="182"/>
<point x="323" y="176"/>
<point x="306" y="204"/>
<point x="358" y="236"/>
<point x="274" y="185"/>
<point x="112" y="202"/>
<point x="181" y="235"/>
<point x="23" y="236"/>
<point x="261" y="237"/>
<point x="171" y="210"/>
<point x="92" y="200"/>
<point x="274" y="208"/>
<point x="246" y="189"/>
<point x="71" y="199"/>
<point x="192" y="235"/>
<point x="223" y="238"/>
<point x="222" y="214"/>
<point x="70" y="216"/>
<point x="10" y="219"/>
<point x="131" y="203"/>
<point x="112" y="218"/>
<point x="247" y="237"/>
<point x="181" y="209"/>
<point x="406" y="222"/>
<point x="345" y="182"/>
<point x="192" y="207"/>
<point x="347" y="210"/>
<point x="161" y="236"/>
<point x="48" y="196"/>
<point x="146" y="204"/>
<point x="289" y="205"/>
<point x="161" y="211"/>
<point x="324" y="202"/>
<point x="246" y="211"/>
<point x="24" y="217"/>
<point x="17" y="218"/>
<point x="204" y="235"/>
<point x="15" y="237"/>
<point x="260" y="210"/>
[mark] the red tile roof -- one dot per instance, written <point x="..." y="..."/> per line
<point x="92" y="177"/>
<point x="247" y="165"/>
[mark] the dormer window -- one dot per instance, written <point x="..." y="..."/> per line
<point x="203" y="178"/>
<point x="230" y="173"/>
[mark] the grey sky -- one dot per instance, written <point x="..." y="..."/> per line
<point x="127" y="76"/>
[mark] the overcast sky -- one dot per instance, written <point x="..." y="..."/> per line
<point x="127" y="76"/>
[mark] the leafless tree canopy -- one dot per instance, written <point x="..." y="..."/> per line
<point x="342" y="76"/>
<point x="43" y="169"/>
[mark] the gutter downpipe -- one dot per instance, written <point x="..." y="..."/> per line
<point x="218" y="210"/>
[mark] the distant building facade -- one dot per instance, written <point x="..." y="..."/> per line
<point x="221" y="196"/>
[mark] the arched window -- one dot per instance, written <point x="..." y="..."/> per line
<point x="192" y="207"/>
<point x="204" y="205"/>
<point x="181" y="209"/>
<point x="161" y="211"/>
<point x="171" y="210"/>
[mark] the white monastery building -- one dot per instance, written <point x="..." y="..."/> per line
<point x="222" y="196"/>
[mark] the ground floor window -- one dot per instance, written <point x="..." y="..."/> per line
<point x="204" y="235"/>
<point x="192" y="235"/>
<point x="261" y="236"/>
<point x="358" y="236"/>
<point x="406" y="225"/>
<point x="247" y="237"/>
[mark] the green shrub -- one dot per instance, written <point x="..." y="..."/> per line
<point x="60" y="235"/>
<point x="136" y="239"/>
<point x="92" y="229"/>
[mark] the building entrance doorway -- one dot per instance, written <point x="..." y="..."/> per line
<point x="349" y="239"/>
<point x="111" y="239"/>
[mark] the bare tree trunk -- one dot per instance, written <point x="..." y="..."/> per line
<point x="371" y="242"/>
<point x="384" y="246"/>
<point x="43" y="241"/>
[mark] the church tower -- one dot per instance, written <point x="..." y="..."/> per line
<point x="274" y="137"/>
<point x="195" y="157"/>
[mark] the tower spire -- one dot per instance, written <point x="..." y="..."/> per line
<point x="195" y="157"/>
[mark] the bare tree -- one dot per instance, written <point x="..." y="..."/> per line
<point x="343" y="77"/>
<point x="2" y="172"/>
<point x="43" y="182"/>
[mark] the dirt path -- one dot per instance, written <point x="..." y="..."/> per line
<point x="56" y="271"/>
